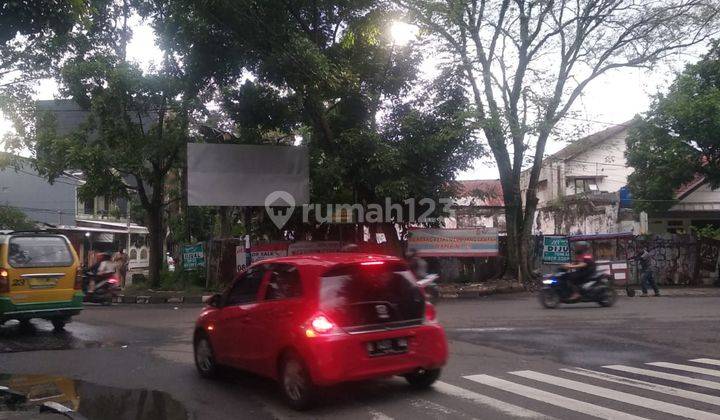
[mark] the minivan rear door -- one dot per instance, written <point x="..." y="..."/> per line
<point x="41" y="268"/>
<point x="371" y="296"/>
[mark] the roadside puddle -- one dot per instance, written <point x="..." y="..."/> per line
<point x="35" y="396"/>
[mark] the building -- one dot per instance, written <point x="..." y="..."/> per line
<point x="47" y="204"/>
<point x="579" y="187"/>
<point x="479" y="204"/>
<point x="698" y="206"/>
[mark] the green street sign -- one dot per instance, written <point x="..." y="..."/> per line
<point x="556" y="249"/>
<point x="193" y="256"/>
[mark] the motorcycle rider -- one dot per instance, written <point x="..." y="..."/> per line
<point x="103" y="268"/>
<point x="583" y="266"/>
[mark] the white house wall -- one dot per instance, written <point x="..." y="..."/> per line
<point x="704" y="198"/>
<point x="606" y="161"/>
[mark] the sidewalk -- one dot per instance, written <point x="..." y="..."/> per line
<point x="680" y="291"/>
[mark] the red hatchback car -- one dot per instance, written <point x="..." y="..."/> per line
<point x="318" y="320"/>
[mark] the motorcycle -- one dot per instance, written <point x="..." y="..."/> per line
<point x="596" y="288"/>
<point x="430" y="287"/>
<point x="105" y="291"/>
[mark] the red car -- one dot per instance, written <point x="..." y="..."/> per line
<point x="317" y="320"/>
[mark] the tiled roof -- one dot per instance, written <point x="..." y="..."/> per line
<point x="689" y="186"/>
<point x="486" y="192"/>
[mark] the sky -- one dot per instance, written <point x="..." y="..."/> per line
<point x="611" y="99"/>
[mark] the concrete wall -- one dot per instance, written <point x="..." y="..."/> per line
<point x="605" y="161"/>
<point x="39" y="200"/>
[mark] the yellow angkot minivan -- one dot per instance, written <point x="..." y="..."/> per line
<point x="39" y="278"/>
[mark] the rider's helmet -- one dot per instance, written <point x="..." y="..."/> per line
<point x="581" y="247"/>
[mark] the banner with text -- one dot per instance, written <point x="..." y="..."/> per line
<point x="193" y="256"/>
<point x="471" y="242"/>
<point x="556" y="249"/>
<point x="261" y="252"/>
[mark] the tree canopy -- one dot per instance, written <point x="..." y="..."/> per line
<point x="525" y="64"/>
<point x="677" y="140"/>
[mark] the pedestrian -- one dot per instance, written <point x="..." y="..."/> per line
<point x="121" y="260"/>
<point x="646" y="274"/>
<point x="418" y="266"/>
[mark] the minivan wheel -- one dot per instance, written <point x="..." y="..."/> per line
<point x="204" y="357"/>
<point x="295" y="382"/>
<point x="58" y="324"/>
<point x="423" y="378"/>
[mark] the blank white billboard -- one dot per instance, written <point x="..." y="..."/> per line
<point x="244" y="175"/>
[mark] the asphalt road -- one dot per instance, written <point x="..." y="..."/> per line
<point x="506" y="359"/>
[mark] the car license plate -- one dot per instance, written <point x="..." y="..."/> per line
<point x="389" y="346"/>
<point x="43" y="283"/>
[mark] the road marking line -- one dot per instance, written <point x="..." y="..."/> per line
<point x="707" y="361"/>
<point x="487" y="329"/>
<point x="668" y="376"/>
<point x="506" y="408"/>
<point x="553" y="399"/>
<point x="624" y="397"/>
<point x="690" y="395"/>
<point x="687" y="368"/>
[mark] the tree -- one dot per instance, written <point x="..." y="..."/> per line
<point x="526" y="62"/>
<point x="14" y="219"/>
<point x="134" y="135"/>
<point x="34" y="36"/>
<point x="328" y="71"/>
<point x="677" y="140"/>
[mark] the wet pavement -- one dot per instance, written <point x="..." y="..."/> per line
<point x="47" y="395"/>
<point x="135" y="362"/>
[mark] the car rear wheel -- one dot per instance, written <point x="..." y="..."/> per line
<point x="59" y="324"/>
<point x="296" y="384"/>
<point x="205" y="357"/>
<point x="423" y="378"/>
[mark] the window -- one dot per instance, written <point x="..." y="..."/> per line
<point x="542" y="185"/>
<point x="39" y="251"/>
<point x="284" y="283"/>
<point x="246" y="288"/>
<point x="89" y="206"/>
<point x="359" y="296"/>
<point x="583" y="185"/>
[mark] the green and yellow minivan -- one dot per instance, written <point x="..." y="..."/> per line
<point x="39" y="278"/>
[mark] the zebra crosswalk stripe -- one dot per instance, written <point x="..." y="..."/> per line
<point x="623" y="397"/>
<point x="553" y="399"/>
<point x="667" y="376"/>
<point x="503" y="407"/>
<point x="687" y="368"/>
<point x="663" y="389"/>
<point x="707" y="361"/>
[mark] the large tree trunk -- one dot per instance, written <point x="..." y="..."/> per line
<point x="155" y="227"/>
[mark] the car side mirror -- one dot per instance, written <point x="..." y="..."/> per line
<point x="215" y="300"/>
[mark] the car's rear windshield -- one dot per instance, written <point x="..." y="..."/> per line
<point x="39" y="251"/>
<point x="375" y="295"/>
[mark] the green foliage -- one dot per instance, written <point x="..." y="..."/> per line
<point x="14" y="219"/>
<point x="708" y="231"/>
<point x="678" y="139"/>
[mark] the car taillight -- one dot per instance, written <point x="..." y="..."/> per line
<point x="4" y="281"/>
<point x="430" y="313"/>
<point x="78" y="279"/>
<point x="319" y="324"/>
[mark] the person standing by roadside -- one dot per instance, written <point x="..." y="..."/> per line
<point x="120" y="259"/>
<point x="647" y="279"/>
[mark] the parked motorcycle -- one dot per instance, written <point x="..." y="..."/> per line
<point x="105" y="291"/>
<point x="429" y="287"/>
<point x="597" y="288"/>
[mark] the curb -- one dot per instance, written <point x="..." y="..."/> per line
<point x="147" y="300"/>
